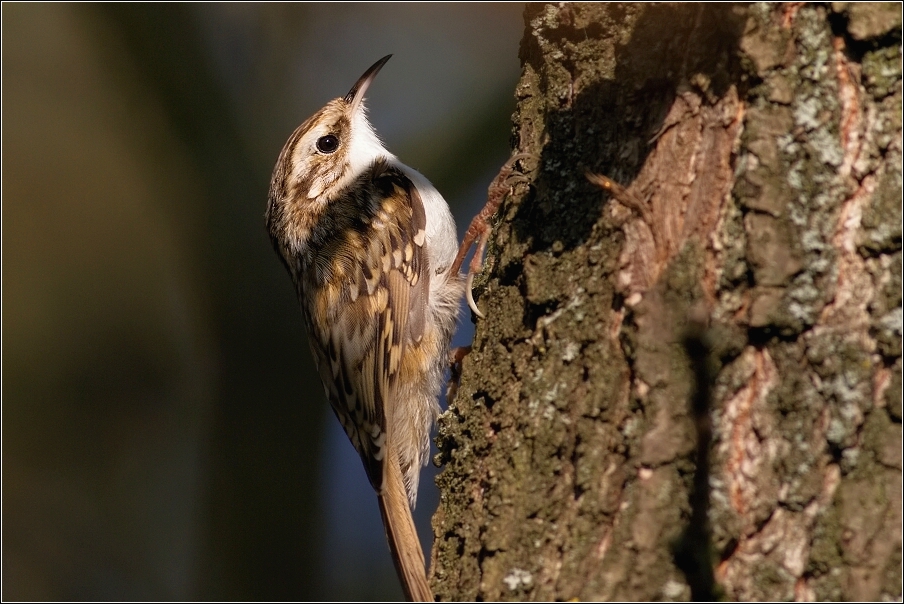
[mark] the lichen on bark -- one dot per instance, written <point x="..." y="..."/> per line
<point x="765" y="141"/>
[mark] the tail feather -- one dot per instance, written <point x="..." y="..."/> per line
<point x="401" y="534"/>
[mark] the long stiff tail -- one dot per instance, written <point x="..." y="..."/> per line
<point x="401" y="534"/>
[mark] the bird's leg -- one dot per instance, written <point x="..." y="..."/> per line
<point x="456" y="356"/>
<point x="479" y="230"/>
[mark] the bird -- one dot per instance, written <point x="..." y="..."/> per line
<point x="370" y="245"/>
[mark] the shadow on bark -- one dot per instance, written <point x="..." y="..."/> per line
<point x="693" y="551"/>
<point x="604" y="126"/>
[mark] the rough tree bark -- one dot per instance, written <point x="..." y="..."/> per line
<point x="765" y="144"/>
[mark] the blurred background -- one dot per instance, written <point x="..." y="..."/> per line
<point x="164" y="433"/>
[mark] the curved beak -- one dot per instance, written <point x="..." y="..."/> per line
<point x="356" y="94"/>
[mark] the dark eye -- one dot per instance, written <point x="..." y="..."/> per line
<point x="327" y="144"/>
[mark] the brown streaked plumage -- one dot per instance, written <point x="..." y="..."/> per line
<point x="369" y="244"/>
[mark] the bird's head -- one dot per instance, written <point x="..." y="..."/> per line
<point x="319" y="162"/>
<point x="331" y="148"/>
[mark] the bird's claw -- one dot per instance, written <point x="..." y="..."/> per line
<point x="456" y="356"/>
<point x="479" y="230"/>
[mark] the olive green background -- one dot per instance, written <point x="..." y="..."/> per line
<point x="164" y="435"/>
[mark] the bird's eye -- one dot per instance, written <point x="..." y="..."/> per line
<point x="327" y="144"/>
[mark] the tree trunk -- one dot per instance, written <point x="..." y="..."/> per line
<point x="754" y="259"/>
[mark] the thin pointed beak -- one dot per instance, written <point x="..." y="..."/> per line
<point x="356" y="94"/>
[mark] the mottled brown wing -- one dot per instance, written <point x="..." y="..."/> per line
<point x="374" y="288"/>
